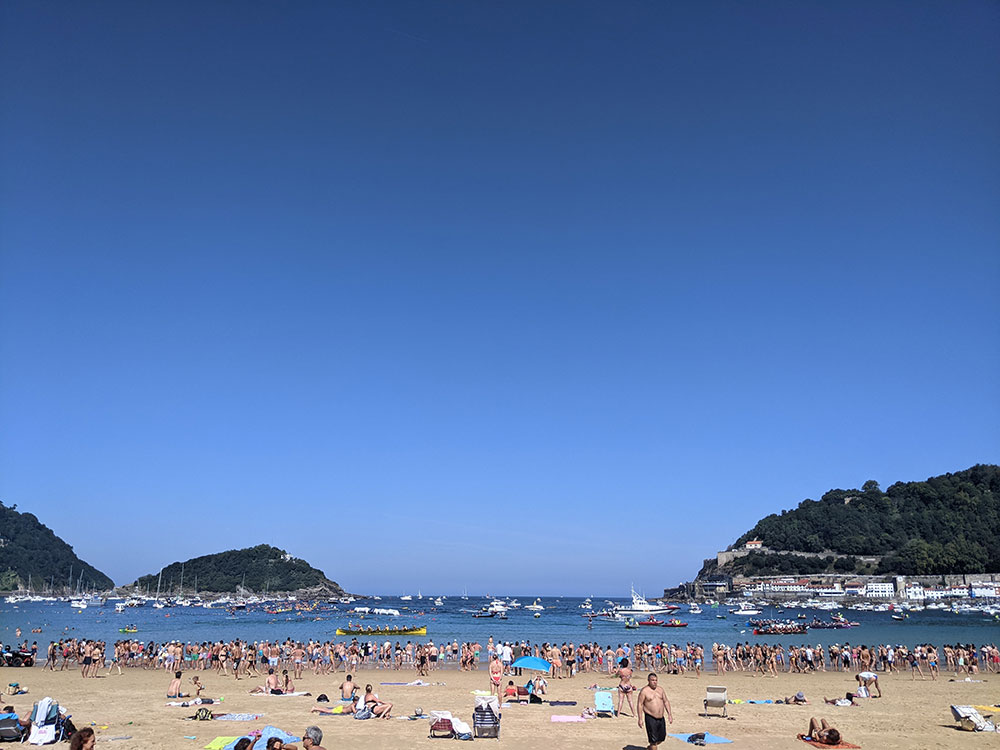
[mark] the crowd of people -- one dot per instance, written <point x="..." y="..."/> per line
<point x="243" y="659"/>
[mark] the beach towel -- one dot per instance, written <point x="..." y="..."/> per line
<point x="265" y="734"/>
<point x="845" y="745"/>
<point x="710" y="739"/>
<point x="220" y="742"/>
<point x="480" y="692"/>
<point x="562" y="703"/>
<point x="236" y="717"/>
<point x="283" y="695"/>
<point x="560" y="719"/>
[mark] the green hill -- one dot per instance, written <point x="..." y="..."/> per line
<point x="946" y="524"/>
<point x="261" y="568"/>
<point x="29" y="548"/>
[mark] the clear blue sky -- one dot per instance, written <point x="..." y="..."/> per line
<point x="475" y="294"/>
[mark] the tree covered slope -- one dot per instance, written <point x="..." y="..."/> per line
<point x="261" y="568"/>
<point x="29" y="548"/>
<point x="946" y="524"/>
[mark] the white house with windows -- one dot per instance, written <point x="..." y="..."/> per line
<point x="915" y="592"/>
<point x="880" y="590"/>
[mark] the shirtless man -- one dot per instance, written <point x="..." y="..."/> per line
<point x="347" y="690"/>
<point x="272" y="685"/>
<point x="174" y="690"/>
<point x="650" y="705"/>
<point x="625" y="686"/>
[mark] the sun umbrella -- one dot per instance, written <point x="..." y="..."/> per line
<point x="532" y="662"/>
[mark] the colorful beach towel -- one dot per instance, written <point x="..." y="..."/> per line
<point x="559" y="718"/>
<point x="265" y="734"/>
<point x="236" y="717"/>
<point x="710" y="739"/>
<point x="220" y="742"/>
<point x="845" y="745"/>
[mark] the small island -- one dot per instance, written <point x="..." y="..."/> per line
<point x="260" y="569"/>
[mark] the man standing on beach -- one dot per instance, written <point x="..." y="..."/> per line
<point x="651" y="704"/>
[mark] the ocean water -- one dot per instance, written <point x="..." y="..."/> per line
<point x="560" y="622"/>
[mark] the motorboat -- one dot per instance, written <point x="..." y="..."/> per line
<point x="642" y="608"/>
<point x="536" y="606"/>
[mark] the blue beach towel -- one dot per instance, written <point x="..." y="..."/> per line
<point x="267" y="733"/>
<point x="710" y="739"/>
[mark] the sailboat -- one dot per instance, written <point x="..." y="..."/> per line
<point x="536" y="606"/>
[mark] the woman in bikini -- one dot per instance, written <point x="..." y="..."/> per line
<point x="625" y="686"/>
<point x="496" y="675"/>
<point x="379" y="708"/>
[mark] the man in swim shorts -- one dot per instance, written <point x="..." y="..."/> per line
<point x="650" y="707"/>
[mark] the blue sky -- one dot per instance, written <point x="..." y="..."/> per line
<point x="457" y="295"/>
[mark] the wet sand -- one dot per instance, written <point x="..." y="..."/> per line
<point x="911" y="715"/>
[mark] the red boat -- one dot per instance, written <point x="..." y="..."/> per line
<point x="674" y="624"/>
<point x="651" y="621"/>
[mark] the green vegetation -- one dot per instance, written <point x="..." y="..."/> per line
<point x="261" y="568"/>
<point x="946" y="524"/>
<point x="28" y="548"/>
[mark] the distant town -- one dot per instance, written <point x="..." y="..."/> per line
<point x="837" y="587"/>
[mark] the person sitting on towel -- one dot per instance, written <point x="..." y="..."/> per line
<point x="820" y="731"/>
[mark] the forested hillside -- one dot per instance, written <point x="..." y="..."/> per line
<point x="28" y="548"/>
<point x="946" y="524"/>
<point x="261" y="568"/>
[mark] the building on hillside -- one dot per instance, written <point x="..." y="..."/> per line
<point x="754" y="544"/>
<point x="914" y="592"/>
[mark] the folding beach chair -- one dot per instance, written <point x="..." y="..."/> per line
<point x="441" y="726"/>
<point x="716" y="697"/>
<point x="486" y="717"/>
<point x="604" y="703"/>
<point x="971" y="720"/>
<point x="48" y="723"/>
<point x="10" y="728"/>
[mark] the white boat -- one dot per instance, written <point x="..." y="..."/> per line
<point x="745" y="611"/>
<point x="78" y="604"/>
<point x="406" y="598"/>
<point x="120" y="607"/>
<point x="438" y="602"/>
<point x="536" y="606"/>
<point x="641" y="607"/>
<point x="514" y="604"/>
<point x="497" y="606"/>
<point x="694" y="609"/>
<point x="587" y="604"/>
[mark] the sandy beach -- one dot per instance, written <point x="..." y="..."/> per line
<point x="911" y="715"/>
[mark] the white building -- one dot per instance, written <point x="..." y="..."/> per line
<point x="880" y="590"/>
<point x="915" y="592"/>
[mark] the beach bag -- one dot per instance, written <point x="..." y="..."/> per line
<point x="203" y="714"/>
<point x="364" y="713"/>
<point x="862" y="692"/>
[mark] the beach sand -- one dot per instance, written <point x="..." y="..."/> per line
<point x="911" y="715"/>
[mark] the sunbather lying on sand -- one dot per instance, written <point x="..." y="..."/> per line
<point x="821" y="731"/>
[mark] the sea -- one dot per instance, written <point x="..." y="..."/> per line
<point x="561" y="621"/>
